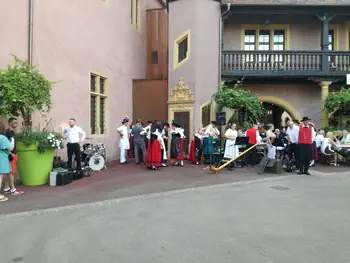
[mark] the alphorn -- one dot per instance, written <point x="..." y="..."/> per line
<point x="216" y="170"/>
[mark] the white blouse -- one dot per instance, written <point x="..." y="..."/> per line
<point x="178" y="131"/>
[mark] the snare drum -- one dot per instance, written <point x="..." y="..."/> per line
<point x="100" y="148"/>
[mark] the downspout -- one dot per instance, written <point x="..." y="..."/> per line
<point x="222" y="38"/>
<point x="30" y="32"/>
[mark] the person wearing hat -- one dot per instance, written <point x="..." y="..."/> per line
<point x="305" y="145"/>
<point x="124" y="144"/>
<point x="177" y="144"/>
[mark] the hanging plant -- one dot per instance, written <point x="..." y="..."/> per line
<point x="240" y="100"/>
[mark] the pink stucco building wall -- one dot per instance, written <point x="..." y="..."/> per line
<point x="73" y="38"/>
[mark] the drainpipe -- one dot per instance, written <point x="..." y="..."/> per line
<point x="30" y="32"/>
<point x="222" y="38"/>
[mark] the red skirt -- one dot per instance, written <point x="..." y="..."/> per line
<point x="154" y="154"/>
<point x="314" y="152"/>
<point x="177" y="150"/>
<point x="192" y="156"/>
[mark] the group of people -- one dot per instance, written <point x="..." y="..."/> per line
<point x="150" y="144"/>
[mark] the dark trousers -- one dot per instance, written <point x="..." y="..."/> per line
<point x="251" y="155"/>
<point x="73" y="148"/>
<point x="294" y="149"/>
<point x="305" y="156"/>
<point x="140" y="151"/>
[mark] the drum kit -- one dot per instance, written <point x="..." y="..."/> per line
<point x="93" y="157"/>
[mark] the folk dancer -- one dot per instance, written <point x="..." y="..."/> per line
<point x="74" y="136"/>
<point x="124" y="143"/>
<point x="231" y="149"/>
<point x="177" y="144"/>
<point x="148" y="133"/>
<point x="165" y="134"/>
<point x="210" y="141"/>
<point x="196" y="147"/>
<point x="305" y="146"/>
<point x="154" y="150"/>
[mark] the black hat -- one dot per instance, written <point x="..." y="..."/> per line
<point x="306" y="119"/>
<point x="175" y="124"/>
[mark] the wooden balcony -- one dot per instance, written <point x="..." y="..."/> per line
<point x="285" y="63"/>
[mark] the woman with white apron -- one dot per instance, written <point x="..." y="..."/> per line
<point x="124" y="143"/>
<point x="231" y="150"/>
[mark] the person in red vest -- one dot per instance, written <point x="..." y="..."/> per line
<point x="305" y="145"/>
<point x="253" y="135"/>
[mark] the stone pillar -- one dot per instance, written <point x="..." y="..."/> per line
<point x="324" y="94"/>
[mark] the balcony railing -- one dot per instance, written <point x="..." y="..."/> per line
<point x="285" y="63"/>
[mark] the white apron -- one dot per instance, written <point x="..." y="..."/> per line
<point x="231" y="150"/>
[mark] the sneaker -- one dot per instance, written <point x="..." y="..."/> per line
<point x="7" y="191"/>
<point x="16" y="192"/>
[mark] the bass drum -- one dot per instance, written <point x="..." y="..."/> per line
<point x="96" y="162"/>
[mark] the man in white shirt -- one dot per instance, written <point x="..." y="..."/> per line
<point x="74" y="136"/>
<point x="293" y="136"/>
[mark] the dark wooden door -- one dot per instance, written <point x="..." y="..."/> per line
<point x="183" y="119"/>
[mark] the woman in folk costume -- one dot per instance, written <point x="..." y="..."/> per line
<point x="177" y="144"/>
<point x="124" y="144"/>
<point x="270" y="139"/>
<point x="231" y="150"/>
<point x="196" y="147"/>
<point x="210" y="141"/>
<point x="165" y="143"/>
<point x="154" y="150"/>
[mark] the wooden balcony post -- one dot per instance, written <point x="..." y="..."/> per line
<point x="325" y="19"/>
<point x="324" y="94"/>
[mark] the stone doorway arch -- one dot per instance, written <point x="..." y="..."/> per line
<point x="283" y="104"/>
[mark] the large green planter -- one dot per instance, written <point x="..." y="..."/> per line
<point x="34" y="167"/>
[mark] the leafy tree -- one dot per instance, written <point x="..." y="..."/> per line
<point x="23" y="90"/>
<point x="239" y="100"/>
<point x="338" y="101"/>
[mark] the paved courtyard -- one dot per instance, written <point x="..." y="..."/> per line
<point x="205" y="219"/>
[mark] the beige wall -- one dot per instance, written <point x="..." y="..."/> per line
<point x="302" y="36"/>
<point x="201" y="72"/>
<point x="305" y="99"/>
<point x="72" y="38"/>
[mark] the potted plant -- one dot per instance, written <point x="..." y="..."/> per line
<point x="23" y="91"/>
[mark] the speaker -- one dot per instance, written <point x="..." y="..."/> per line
<point x="221" y="118"/>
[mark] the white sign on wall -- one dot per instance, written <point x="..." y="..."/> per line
<point x="347" y="79"/>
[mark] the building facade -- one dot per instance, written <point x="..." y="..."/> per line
<point x="93" y="49"/>
<point x="290" y="53"/>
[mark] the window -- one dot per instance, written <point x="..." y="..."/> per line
<point x="98" y="104"/>
<point x="206" y="110"/>
<point x="264" y="40"/>
<point x="135" y="13"/>
<point x="331" y="40"/>
<point x="182" y="49"/>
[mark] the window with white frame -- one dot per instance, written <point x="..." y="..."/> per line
<point x="98" y="104"/>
